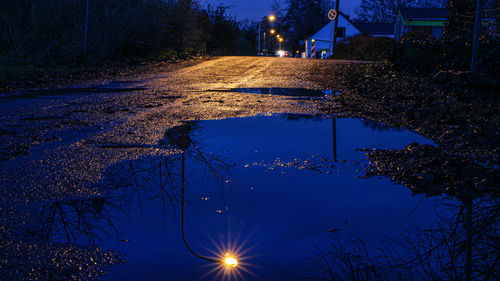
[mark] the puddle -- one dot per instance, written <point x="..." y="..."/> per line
<point x="269" y="190"/>
<point x="331" y="92"/>
<point x="292" y="92"/>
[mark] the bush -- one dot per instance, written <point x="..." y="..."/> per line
<point x="51" y="32"/>
<point x="418" y="52"/>
<point x="362" y="47"/>
<point x="425" y="54"/>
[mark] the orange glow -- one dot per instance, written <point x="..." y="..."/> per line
<point x="273" y="31"/>
<point x="230" y="261"/>
<point x="272" y="18"/>
<point x="281" y="39"/>
<point x="232" y="254"/>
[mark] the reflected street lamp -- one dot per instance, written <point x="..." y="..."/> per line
<point x="229" y="261"/>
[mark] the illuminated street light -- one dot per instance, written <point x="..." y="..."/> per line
<point x="272" y="31"/>
<point x="270" y="18"/>
<point x="281" y="41"/>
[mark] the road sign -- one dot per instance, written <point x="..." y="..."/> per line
<point x="332" y="14"/>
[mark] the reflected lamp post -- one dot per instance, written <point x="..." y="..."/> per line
<point x="270" y="18"/>
<point x="227" y="260"/>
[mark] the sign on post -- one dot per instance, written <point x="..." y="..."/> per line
<point x="332" y="14"/>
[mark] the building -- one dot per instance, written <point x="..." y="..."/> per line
<point x="430" y="21"/>
<point x="321" y="40"/>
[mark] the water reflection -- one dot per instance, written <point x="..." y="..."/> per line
<point x="285" y="209"/>
<point x="463" y="243"/>
<point x="81" y="221"/>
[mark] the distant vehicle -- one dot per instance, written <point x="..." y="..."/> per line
<point x="282" y="53"/>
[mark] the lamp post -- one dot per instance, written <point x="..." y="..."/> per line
<point x="271" y="18"/>
<point x="86" y="27"/>
<point x="281" y="41"/>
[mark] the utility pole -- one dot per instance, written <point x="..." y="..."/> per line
<point x="475" y="40"/>
<point x="335" y="33"/>
<point x="86" y="28"/>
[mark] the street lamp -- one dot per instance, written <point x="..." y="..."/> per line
<point x="272" y="31"/>
<point x="270" y="18"/>
<point x="281" y="41"/>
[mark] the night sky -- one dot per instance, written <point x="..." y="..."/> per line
<point x="254" y="9"/>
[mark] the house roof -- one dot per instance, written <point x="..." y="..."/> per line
<point x="424" y="13"/>
<point x="376" y="28"/>
<point x="346" y="17"/>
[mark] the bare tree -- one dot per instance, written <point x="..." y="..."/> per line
<point x="385" y="10"/>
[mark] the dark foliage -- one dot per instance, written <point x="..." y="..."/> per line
<point x="425" y="54"/>
<point x="50" y="32"/>
<point x="227" y="35"/>
<point x="364" y="47"/>
<point x="418" y="52"/>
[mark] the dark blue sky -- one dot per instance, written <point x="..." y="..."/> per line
<point x="254" y="9"/>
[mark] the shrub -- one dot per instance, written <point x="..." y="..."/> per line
<point x="425" y="54"/>
<point x="418" y="52"/>
<point x="363" y="47"/>
<point x="51" y="32"/>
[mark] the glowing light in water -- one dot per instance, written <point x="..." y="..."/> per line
<point x="230" y="261"/>
<point x="233" y="258"/>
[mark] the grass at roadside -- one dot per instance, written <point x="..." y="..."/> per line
<point x="15" y="75"/>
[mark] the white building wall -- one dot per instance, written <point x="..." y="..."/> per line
<point x="322" y="37"/>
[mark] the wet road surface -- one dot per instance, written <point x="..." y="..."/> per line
<point x="68" y="128"/>
<point x="78" y="163"/>
<point x="57" y="144"/>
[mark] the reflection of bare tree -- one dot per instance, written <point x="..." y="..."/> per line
<point x="150" y="180"/>
<point x="439" y="253"/>
<point x="464" y="244"/>
<point x="77" y="221"/>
